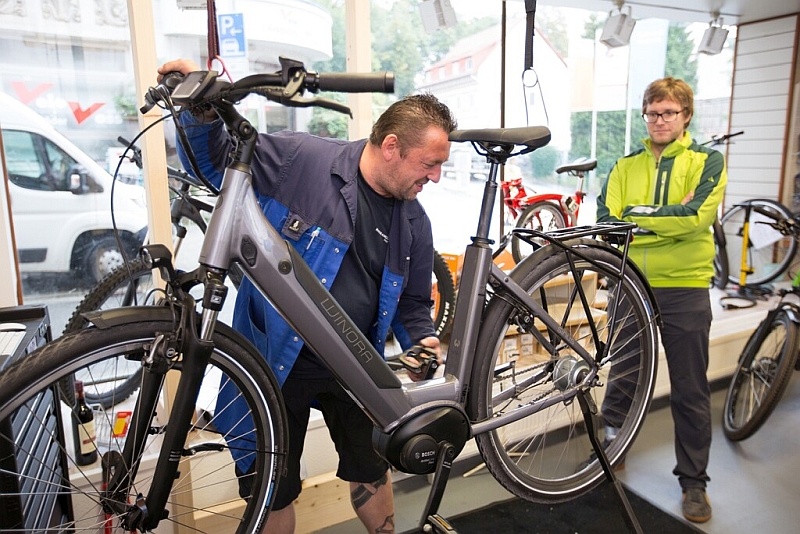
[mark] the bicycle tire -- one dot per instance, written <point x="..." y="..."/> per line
<point x="215" y="505"/>
<point x="761" y="376"/>
<point x="114" y="290"/>
<point x="769" y="261"/>
<point x="542" y="216"/>
<point x="444" y="296"/>
<point x="721" y="270"/>
<point x="547" y="456"/>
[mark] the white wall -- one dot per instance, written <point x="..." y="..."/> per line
<point x="760" y="104"/>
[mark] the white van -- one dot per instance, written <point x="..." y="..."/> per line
<point x="61" y="200"/>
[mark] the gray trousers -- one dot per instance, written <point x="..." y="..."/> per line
<point x="686" y="322"/>
<point x="686" y="317"/>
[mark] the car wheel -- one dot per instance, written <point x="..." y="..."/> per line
<point x="103" y="257"/>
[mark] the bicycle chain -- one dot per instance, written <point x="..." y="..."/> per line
<point x="526" y="371"/>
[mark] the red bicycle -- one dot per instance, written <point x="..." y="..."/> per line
<point x="545" y="211"/>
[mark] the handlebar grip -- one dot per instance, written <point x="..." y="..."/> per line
<point x="373" y="82"/>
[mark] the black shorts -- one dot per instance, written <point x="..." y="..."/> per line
<point x="350" y="430"/>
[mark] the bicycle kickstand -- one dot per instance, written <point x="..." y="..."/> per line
<point x="589" y="409"/>
<point x="431" y="521"/>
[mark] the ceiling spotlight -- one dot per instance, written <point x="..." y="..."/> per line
<point x="714" y="37"/>
<point x="618" y="27"/>
<point x="437" y="14"/>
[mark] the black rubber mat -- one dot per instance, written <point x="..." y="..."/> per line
<point x="598" y="512"/>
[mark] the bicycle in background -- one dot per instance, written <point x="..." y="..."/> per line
<point x="543" y="212"/>
<point x="721" y="267"/>
<point x="760" y="242"/>
<point x="764" y="368"/>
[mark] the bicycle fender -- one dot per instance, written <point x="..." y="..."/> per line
<point x="549" y="250"/>
<point x="104" y="319"/>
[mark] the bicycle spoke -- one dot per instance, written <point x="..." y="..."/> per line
<point x="205" y="496"/>
<point x="546" y="455"/>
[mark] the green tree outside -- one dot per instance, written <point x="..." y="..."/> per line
<point x="610" y="144"/>
<point x="400" y="45"/>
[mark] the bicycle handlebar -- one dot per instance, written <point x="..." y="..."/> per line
<point x="204" y="90"/>
<point x="721" y="139"/>
<point x="285" y="87"/>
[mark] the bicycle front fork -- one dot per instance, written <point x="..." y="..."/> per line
<point x="168" y="348"/>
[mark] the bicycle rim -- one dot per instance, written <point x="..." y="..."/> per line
<point x="541" y="216"/>
<point x="124" y="286"/>
<point x="205" y="493"/>
<point x="768" y="253"/>
<point x="547" y="456"/>
<point x="761" y="377"/>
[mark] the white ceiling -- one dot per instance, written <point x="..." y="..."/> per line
<point x="731" y="11"/>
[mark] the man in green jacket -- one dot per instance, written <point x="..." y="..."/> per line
<point x="671" y="188"/>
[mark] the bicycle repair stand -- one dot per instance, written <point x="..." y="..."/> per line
<point x="589" y="410"/>
<point x="431" y="521"/>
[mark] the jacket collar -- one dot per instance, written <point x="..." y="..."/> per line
<point x="346" y="163"/>
<point x="346" y="167"/>
<point x="672" y="149"/>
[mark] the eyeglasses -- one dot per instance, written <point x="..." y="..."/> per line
<point x="668" y="116"/>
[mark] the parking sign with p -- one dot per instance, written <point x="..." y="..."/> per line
<point x="232" y="42"/>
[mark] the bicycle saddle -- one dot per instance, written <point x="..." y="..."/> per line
<point x="532" y="137"/>
<point x="579" y="165"/>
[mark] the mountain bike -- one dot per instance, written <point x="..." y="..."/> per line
<point x="764" y="368"/>
<point x="530" y="356"/>
<point x="131" y="283"/>
<point x="545" y="211"/>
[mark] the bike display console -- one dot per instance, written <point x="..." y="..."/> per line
<point x="32" y="464"/>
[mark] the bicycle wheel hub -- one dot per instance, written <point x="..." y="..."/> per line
<point x="568" y="372"/>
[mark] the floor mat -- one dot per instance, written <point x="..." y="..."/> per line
<point x="598" y="512"/>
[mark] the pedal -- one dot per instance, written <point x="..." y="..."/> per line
<point x="439" y="524"/>
<point x="420" y="361"/>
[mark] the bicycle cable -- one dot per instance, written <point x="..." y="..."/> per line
<point x="746" y="297"/>
<point x="129" y="148"/>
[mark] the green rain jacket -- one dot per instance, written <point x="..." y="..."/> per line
<point x="676" y="247"/>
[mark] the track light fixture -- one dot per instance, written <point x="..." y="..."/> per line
<point x="437" y="14"/>
<point x="714" y="37"/>
<point x="618" y="27"/>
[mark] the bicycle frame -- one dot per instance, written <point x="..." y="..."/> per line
<point x="288" y="283"/>
<point x="744" y="266"/>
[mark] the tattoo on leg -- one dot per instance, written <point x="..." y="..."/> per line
<point x="387" y="527"/>
<point x="364" y="493"/>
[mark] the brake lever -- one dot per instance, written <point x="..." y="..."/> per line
<point x="295" y="100"/>
<point x="420" y="361"/>
<point x="136" y="152"/>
